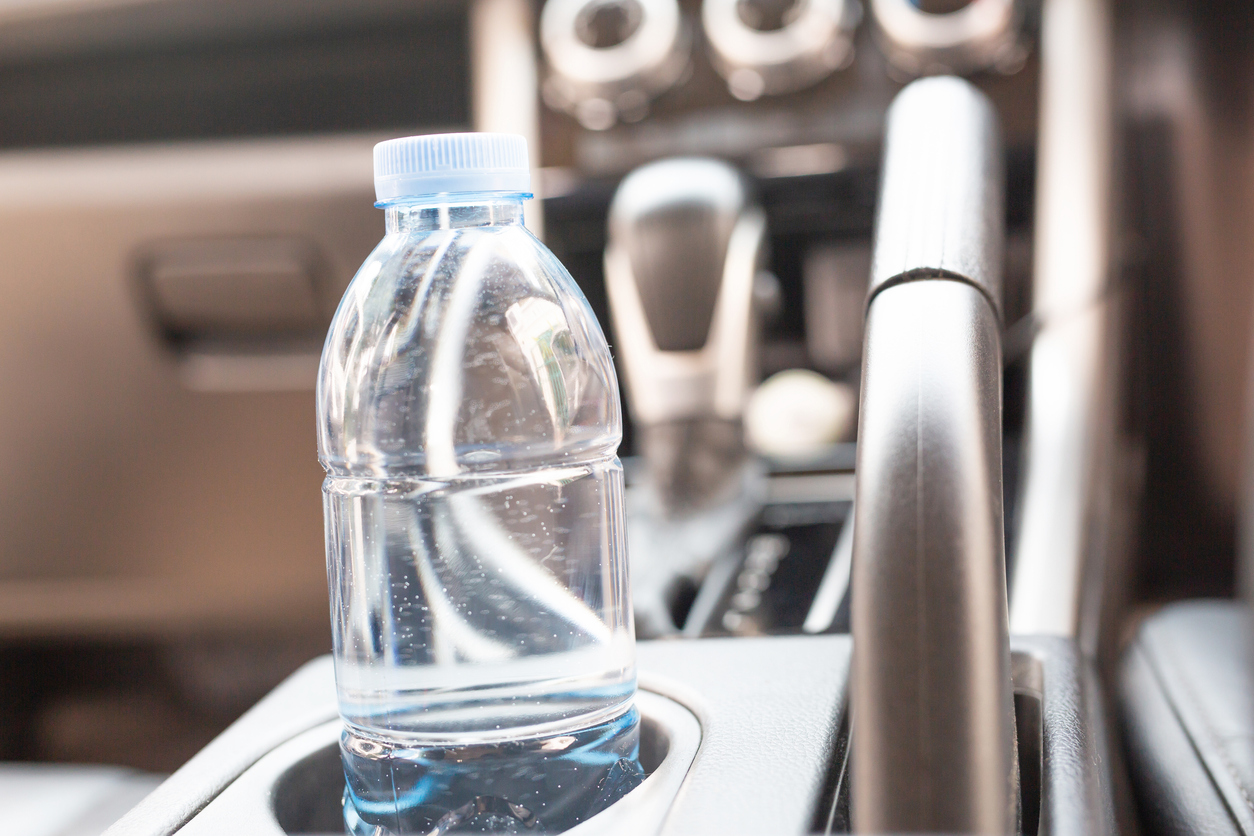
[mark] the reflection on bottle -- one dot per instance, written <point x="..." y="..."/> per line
<point x="542" y="332"/>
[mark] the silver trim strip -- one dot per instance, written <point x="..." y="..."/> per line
<point x="835" y="582"/>
<point x="1068" y="398"/>
<point x="504" y="82"/>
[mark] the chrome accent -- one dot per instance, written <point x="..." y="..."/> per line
<point x="1070" y="411"/>
<point x="814" y="41"/>
<point x="601" y="85"/>
<point x="982" y="34"/>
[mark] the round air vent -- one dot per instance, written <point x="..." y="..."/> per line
<point x="608" y="59"/>
<point x="923" y="37"/>
<point x="767" y="47"/>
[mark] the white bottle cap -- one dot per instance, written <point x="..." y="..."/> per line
<point x="416" y="166"/>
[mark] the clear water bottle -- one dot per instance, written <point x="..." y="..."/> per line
<point x="469" y="421"/>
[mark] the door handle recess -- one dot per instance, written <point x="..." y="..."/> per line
<point x="933" y="725"/>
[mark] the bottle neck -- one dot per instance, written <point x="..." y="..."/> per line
<point x="449" y="211"/>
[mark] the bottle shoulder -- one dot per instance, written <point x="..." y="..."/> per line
<point x="458" y="348"/>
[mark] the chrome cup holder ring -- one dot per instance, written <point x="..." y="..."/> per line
<point x="927" y="37"/>
<point x="608" y="59"/>
<point x="768" y="49"/>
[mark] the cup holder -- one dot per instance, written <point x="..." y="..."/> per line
<point x="298" y="788"/>
<point x="307" y="797"/>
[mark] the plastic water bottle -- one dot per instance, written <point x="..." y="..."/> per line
<point x="468" y="421"/>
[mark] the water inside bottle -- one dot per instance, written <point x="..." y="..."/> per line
<point x="545" y="784"/>
<point x="479" y="615"/>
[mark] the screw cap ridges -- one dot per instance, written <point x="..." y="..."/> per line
<point x="415" y="166"/>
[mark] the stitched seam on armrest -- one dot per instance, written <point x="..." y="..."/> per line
<point x="1185" y="693"/>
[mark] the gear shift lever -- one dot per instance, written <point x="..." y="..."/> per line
<point x="685" y="247"/>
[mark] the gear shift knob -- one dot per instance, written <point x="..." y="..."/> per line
<point x="685" y="246"/>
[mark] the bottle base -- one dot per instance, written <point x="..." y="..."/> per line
<point x="541" y="785"/>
